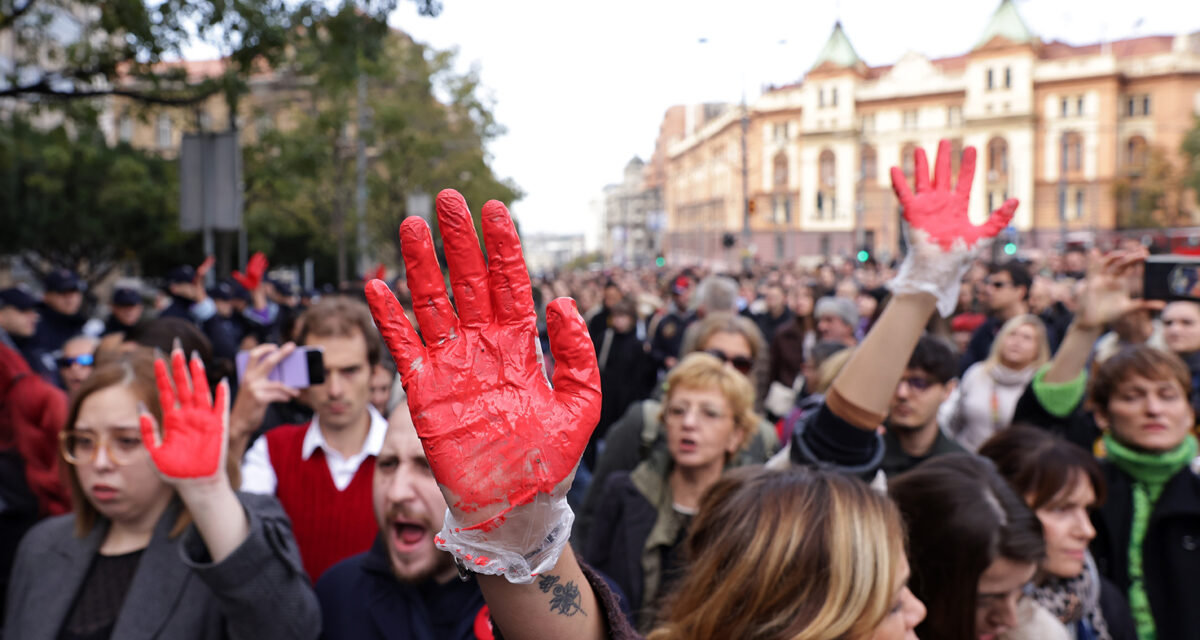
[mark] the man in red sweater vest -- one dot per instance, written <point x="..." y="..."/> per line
<point x="322" y="471"/>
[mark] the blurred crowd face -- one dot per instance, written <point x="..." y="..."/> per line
<point x="1040" y="295"/>
<point x="731" y="347"/>
<point x="381" y="388"/>
<point x="1020" y="347"/>
<point x="833" y="328"/>
<point x="67" y="303"/>
<point x="622" y="322"/>
<point x="802" y="301"/>
<point x="1181" y="326"/>
<point x="128" y="315"/>
<point x="916" y="400"/>
<point x="1067" y="527"/>
<point x="1000" y="590"/>
<point x="1001" y="293"/>
<point x="867" y="304"/>
<point x="75" y="364"/>
<point x="409" y="505"/>
<point x="775" y="299"/>
<point x="15" y="322"/>
<point x="1075" y="262"/>
<point x="1149" y="415"/>
<point x="847" y="289"/>
<point x="701" y="433"/>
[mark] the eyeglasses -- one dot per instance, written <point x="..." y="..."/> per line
<point x="917" y="383"/>
<point x="85" y="360"/>
<point x="123" y="445"/>
<point x="741" y="363"/>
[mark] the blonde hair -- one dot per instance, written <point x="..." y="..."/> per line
<point x="699" y="370"/>
<point x="830" y="368"/>
<point x="797" y="554"/>
<point x="1039" y="329"/>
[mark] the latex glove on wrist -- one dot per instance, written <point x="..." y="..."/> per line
<point x="502" y="443"/>
<point x="194" y="436"/>
<point x="942" y="241"/>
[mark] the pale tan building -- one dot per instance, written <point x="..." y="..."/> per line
<point x="819" y="151"/>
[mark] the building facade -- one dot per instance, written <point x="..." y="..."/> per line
<point x="1074" y="132"/>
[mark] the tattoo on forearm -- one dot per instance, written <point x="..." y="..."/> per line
<point x="565" y="599"/>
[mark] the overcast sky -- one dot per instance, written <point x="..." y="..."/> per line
<point x="582" y="86"/>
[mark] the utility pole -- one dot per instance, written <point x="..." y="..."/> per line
<point x="1062" y="194"/>
<point x="747" y="259"/>
<point x="360" y="168"/>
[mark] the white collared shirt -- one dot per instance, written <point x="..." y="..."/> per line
<point x="258" y="476"/>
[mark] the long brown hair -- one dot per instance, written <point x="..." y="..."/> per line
<point x="134" y="370"/>
<point x="799" y="554"/>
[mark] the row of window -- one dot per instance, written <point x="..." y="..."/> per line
<point x="994" y="77"/>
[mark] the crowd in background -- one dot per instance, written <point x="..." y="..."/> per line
<point x="701" y="372"/>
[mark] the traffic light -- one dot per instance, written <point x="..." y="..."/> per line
<point x="660" y="261"/>
<point x="728" y="240"/>
<point x="1010" y="248"/>
<point x="864" y="253"/>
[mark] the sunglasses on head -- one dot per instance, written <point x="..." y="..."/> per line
<point x="741" y="363"/>
<point x="85" y="360"/>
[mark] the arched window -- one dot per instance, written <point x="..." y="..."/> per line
<point x="1135" y="153"/>
<point x="827" y="163"/>
<point x="781" y="171"/>
<point x="868" y="163"/>
<point x="997" y="159"/>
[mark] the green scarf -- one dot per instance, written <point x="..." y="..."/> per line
<point x="1150" y="473"/>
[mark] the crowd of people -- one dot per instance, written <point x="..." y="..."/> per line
<point x="945" y="447"/>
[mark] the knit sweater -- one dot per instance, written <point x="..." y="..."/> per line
<point x="329" y="525"/>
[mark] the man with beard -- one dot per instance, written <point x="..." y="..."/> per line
<point x="404" y="587"/>
<point x="320" y="471"/>
<point x="912" y="434"/>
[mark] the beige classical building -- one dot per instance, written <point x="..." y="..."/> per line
<point x="1069" y="130"/>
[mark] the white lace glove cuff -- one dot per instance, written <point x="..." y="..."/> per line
<point x="928" y="268"/>
<point x="527" y="543"/>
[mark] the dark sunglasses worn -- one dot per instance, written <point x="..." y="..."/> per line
<point x="741" y="363"/>
<point x="85" y="360"/>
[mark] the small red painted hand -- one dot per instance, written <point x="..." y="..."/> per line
<point x="256" y="266"/>
<point x="380" y="272"/>
<point x="942" y="240"/>
<point x="938" y="210"/>
<point x="194" y="429"/>
<point x="495" y="432"/>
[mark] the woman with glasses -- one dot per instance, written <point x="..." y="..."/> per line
<point x="158" y="543"/>
<point x="643" y="516"/>
<point x="732" y="339"/>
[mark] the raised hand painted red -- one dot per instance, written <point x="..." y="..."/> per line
<point x="256" y="266"/>
<point x="194" y="425"/>
<point x="938" y="210"/>
<point x="494" y="431"/>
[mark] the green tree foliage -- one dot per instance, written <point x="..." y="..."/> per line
<point x="428" y="127"/>
<point x="71" y="200"/>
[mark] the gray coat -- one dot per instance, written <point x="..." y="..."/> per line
<point x="259" y="591"/>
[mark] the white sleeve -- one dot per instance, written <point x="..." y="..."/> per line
<point x="258" y="476"/>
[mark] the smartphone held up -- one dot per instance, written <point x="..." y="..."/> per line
<point x="303" y="368"/>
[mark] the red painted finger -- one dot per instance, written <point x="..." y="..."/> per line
<point x="576" y="375"/>
<point x="166" y="396"/>
<point x="398" y="334"/>
<point x="183" y="386"/>
<point x="900" y="186"/>
<point x="921" y="170"/>
<point x="941" y="171"/>
<point x="201" y="396"/>
<point x="999" y="218"/>
<point x="966" y="172"/>
<point x="221" y="403"/>
<point x="149" y="432"/>
<point x="434" y="313"/>
<point x="508" y="277"/>
<point x="468" y="271"/>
